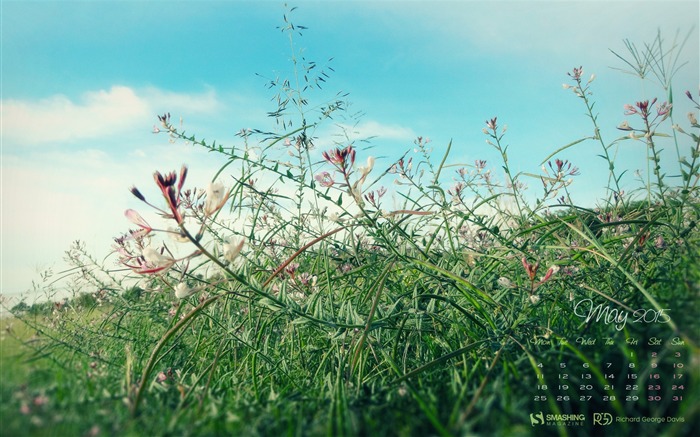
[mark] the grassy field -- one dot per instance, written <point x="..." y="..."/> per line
<point x="291" y="297"/>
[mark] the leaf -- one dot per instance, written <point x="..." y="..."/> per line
<point x="339" y="202"/>
<point x="564" y="148"/>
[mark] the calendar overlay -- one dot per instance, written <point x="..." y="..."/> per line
<point x="631" y="375"/>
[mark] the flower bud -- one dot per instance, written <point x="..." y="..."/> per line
<point x="182" y="291"/>
<point x="232" y="249"/>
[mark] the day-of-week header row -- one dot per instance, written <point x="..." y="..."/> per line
<point x="608" y="341"/>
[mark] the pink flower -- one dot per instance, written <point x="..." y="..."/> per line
<point x="551" y="271"/>
<point x="139" y="221"/>
<point x="324" y="179"/>
<point x="576" y="73"/>
<point x="491" y="124"/>
<point x="166" y="183"/>
<point x="530" y="269"/>
<point x="341" y="158"/>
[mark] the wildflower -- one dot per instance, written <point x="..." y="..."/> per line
<point x="642" y="108"/>
<point x="374" y="197"/>
<point x="491" y="124"/>
<point x="643" y="239"/>
<point x="576" y="73"/>
<point x="139" y="221"/>
<point x="563" y="168"/>
<point x="692" y="118"/>
<point x="154" y="261"/>
<point x="165" y="120"/>
<point x="625" y="126"/>
<point x="530" y="269"/>
<point x="324" y="179"/>
<point x="135" y="191"/>
<point x="341" y="158"/>
<point x="232" y="249"/>
<point x="307" y="279"/>
<point x="40" y="400"/>
<point x="216" y="198"/>
<point x="534" y="299"/>
<point x="291" y="269"/>
<point x="182" y="291"/>
<point x="660" y="243"/>
<point x="630" y="109"/>
<point x="356" y="189"/>
<point x="364" y="171"/>
<point x="505" y="282"/>
<point x="551" y="271"/>
<point x="664" y="110"/>
<point x="677" y="128"/>
<point x="166" y="183"/>
<point x="162" y="376"/>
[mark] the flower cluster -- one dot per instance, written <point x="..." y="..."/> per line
<point x="140" y="256"/>
<point x="649" y="117"/>
<point x="343" y="160"/>
<point x="579" y="89"/>
<point x="531" y="270"/>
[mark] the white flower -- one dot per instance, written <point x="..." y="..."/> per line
<point x="504" y="282"/>
<point x="182" y="291"/>
<point x="356" y="189"/>
<point x="232" y="249"/>
<point x="152" y="256"/>
<point x="334" y="217"/>
<point x="368" y="168"/>
<point x="534" y="299"/>
<point x="216" y="197"/>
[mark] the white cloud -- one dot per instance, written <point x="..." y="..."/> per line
<point x="58" y="119"/>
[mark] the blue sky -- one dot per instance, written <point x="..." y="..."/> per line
<point x="82" y="83"/>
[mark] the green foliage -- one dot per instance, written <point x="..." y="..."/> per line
<point x="339" y="317"/>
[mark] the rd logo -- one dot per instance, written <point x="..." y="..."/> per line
<point x="603" y="419"/>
